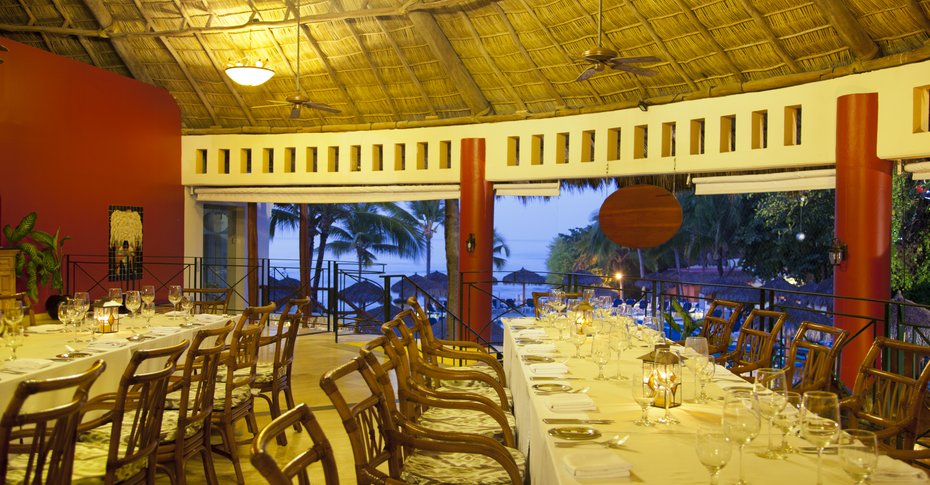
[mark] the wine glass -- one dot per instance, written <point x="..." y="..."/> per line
<point x="714" y="450"/>
<point x="667" y="378"/>
<point x="770" y="388"/>
<point x="148" y="311"/>
<point x="858" y="453"/>
<point x="820" y="422"/>
<point x="12" y="316"/>
<point x="186" y="306"/>
<point x="654" y="333"/>
<point x="644" y="393"/>
<point x="600" y="353"/>
<point x="618" y="340"/>
<point x="787" y="421"/>
<point x="741" y="421"/>
<point x="174" y="296"/>
<point x="82" y="299"/>
<point x="148" y="293"/>
<point x="696" y="355"/>
<point x="705" y="375"/>
<point x="115" y="295"/>
<point x="133" y="302"/>
<point x="578" y="338"/>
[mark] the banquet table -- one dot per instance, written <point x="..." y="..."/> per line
<point x="662" y="454"/>
<point x="41" y="350"/>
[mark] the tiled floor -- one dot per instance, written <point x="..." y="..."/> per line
<point x="315" y="355"/>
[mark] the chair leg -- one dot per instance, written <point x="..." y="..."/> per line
<point x="208" y="469"/>
<point x="228" y="435"/>
<point x="275" y="412"/>
<point x="289" y="397"/>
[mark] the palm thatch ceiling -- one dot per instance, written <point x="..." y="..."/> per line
<point x="420" y="62"/>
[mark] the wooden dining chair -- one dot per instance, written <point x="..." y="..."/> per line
<point x="29" y="314"/>
<point x="210" y="300"/>
<point x="267" y="461"/>
<point x="387" y="449"/>
<point x="441" y="411"/>
<point x="811" y="356"/>
<point x="274" y="380"/>
<point x="718" y="329"/>
<point x="37" y="440"/>
<point x="119" y="441"/>
<point x="755" y="342"/>
<point x="234" y="400"/>
<point x="889" y="401"/>
<point x="186" y="424"/>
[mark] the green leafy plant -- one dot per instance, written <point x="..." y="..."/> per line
<point x="39" y="258"/>
<point x="688" y="325"/>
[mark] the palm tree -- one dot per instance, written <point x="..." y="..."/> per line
<point x="501" y="251"/>
<point x="429" y="215"/>
<point x="372" y="228"/>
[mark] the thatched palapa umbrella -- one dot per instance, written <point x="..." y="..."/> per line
<point x="523" y="277"/>
<point x="363" y="293"/>
<point x="405" y="289"/>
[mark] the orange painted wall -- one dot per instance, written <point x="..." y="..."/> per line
<point x="66" y="130"/>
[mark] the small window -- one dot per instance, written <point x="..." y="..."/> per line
<point x="792" y="125"/>
<point x="668" y="139"/>
<point x="613" y="144"/>
<point x="562" y="147"/>
<point x="290" y="160"/>
<point x="332" y="159"/>
<point x="513" y="151"/>
<point x="355" y="158"/>
<point x="245" y="162"/>
<point x="223" y="161"/>
<point x="727" y="134"/>
<point x="377" y="158"/>
<point x="201" y="164"/>
<point x="312" y="159"/>
<point x="760" y="129"/>
<point x="536" y="157"/>
<point x="422" y="156"/>
<point x="641" y="141"/>
<point x="587" y="146"/>
<point x="400" y="156"/>
<point x="268" y="160"/>
<point x="697" y="136"/>
<point x="445" y="154"/>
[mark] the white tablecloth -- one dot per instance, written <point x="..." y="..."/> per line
<point x="48" y="345"/>
<point x="660" y="454"/>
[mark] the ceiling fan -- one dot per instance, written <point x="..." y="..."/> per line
<point x="603" y="58"/>
<point x="297" y="100"/>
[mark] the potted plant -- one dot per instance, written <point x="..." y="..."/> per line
<point x="39" y="258"/>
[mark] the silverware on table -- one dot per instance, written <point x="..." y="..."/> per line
<point x="577" y="421"/>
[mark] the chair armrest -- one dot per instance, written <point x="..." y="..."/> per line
<point x="443" y="373"/>
<point x="495" y="412"/>
<point x="473" y="356"/>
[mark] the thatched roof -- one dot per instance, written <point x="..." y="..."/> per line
<point x="387" y="63"/>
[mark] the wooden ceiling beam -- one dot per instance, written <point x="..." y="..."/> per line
<point x="773" y="39"/>
<point x="230" y="85"/>
<point x="547" y="84"/>
<point x="368" y="60"/>
<point x="476" y="37"/>
<point x="849" y="29"/>
<point x="190" y="80"/>
<point x="448" y="58"/>
<point x="407" y="67"/>
<point x="917" y="13"/>
<point x="32" y="21"/>
<point x="122" y="47"/>
<point x="737" y="72"/>
<point x="330" y="71"/>
<point x="661" y="44"/>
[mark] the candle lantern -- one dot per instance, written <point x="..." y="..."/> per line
<point x="664" y="366"/>
<point x="106" y="316"/>
<point x="584" y="313"/>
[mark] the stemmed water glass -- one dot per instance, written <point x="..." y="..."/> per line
<point x="186" y="306"/>
<point x="696" y="356"/>
<point x="12" y="316"/>
<point x="820" y="422"/>
<point x="771" y="389"/>
<point x="148" y="311"/>
<point x="82" y="302"/>
<point x="858" y="453"/>
<point x="787" y="421"/>
<point x="654" y="331"/>
<point x="667" y="378"/>
<point x="600" y="353"/>
<point x="174" y="296"/>
<point x="148" y="293"/>
<point x="66" y="315"/>
<point x="115" y="295"/>
<point x="705" y="374"/>
<point x="644" y="393"/>
<point x="741" y="421"/>
<point x="578" y="338"/>
<point x="133" y="302"/>
<point x="714" y="450"/>
<point x="618" y="340"/>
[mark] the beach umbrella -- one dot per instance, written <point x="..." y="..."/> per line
<point x="362" y="293"/>
<point x="524" y="277"/>
<point x="405" y="289"/>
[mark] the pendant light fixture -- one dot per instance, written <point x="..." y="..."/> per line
<point x="248" y="73"/>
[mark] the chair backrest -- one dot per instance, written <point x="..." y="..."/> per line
<point x="284" y="337"/>
<point x="243" y="353"/>
<point x="755" y="341"/>
<point x="366" y="421"/>
<point x="889" y="401"/>
<point x="275" y="474"/>
<point x="716" y="329"/>
<point x="198" y="380"/>
<point x="29" y="315"/>
<point x="811" y="356"/>
<point x="141" y="398"/>
<point x="43" y="439"/>
<point x="210" y="300"/>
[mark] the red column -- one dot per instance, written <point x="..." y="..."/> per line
<point x="476" y="224"/>
<point x="863" y="223"/>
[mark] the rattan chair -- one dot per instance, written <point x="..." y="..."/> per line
<point x="271" y="381"/>
<point x="889" y="402"/>
<point x="186" y="425"/>
<point x="266" y="462"/>
<point x="718" y="330"/>
<point x="382" y="439"/>
<point x="234" y="401"/>
<point x="210" y="300"/>
<point x="755" y="342"/>
<point x="37" y="445"/>
<point x="120" y="441"/>
<point x="811" y="356"/>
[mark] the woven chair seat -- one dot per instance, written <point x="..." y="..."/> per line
<point x="464" y="421"/>
<point x="169" y="429"/>
<point x="241" y="395"/>
<point x="467" y="384"/>
<point x="425" y="467"/>
<point x="90" y="464"/>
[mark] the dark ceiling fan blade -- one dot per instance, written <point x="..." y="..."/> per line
<point x="586" y="74"/>
<point x="321" y="107"/>
<point x="625" y="60"/>
<point x="295" y="111"/>
<point x="634" y="70"/>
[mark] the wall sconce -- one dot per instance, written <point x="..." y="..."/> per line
<point x="837" y="252"/>
<point x="642" y="105"/>
<point x="470" y="243"/>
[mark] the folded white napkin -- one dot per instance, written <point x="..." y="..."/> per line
<point x="175" y="313"/>
<point x="27" y="365"/>
<point x="565" y="403"/>
<point x="530" y="333"/>
<point x="539" y="348"/>
<point x="596" y="464"/>
<point x="208" y="318"/>
<point x="549" y="368"/>
<point x="891" y="470"/>
<point x="164" y="330"/>
<point x="109" y="344"/>
<point x="47" y="328"/>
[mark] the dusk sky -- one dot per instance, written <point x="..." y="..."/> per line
<point x="528" y="228"/>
